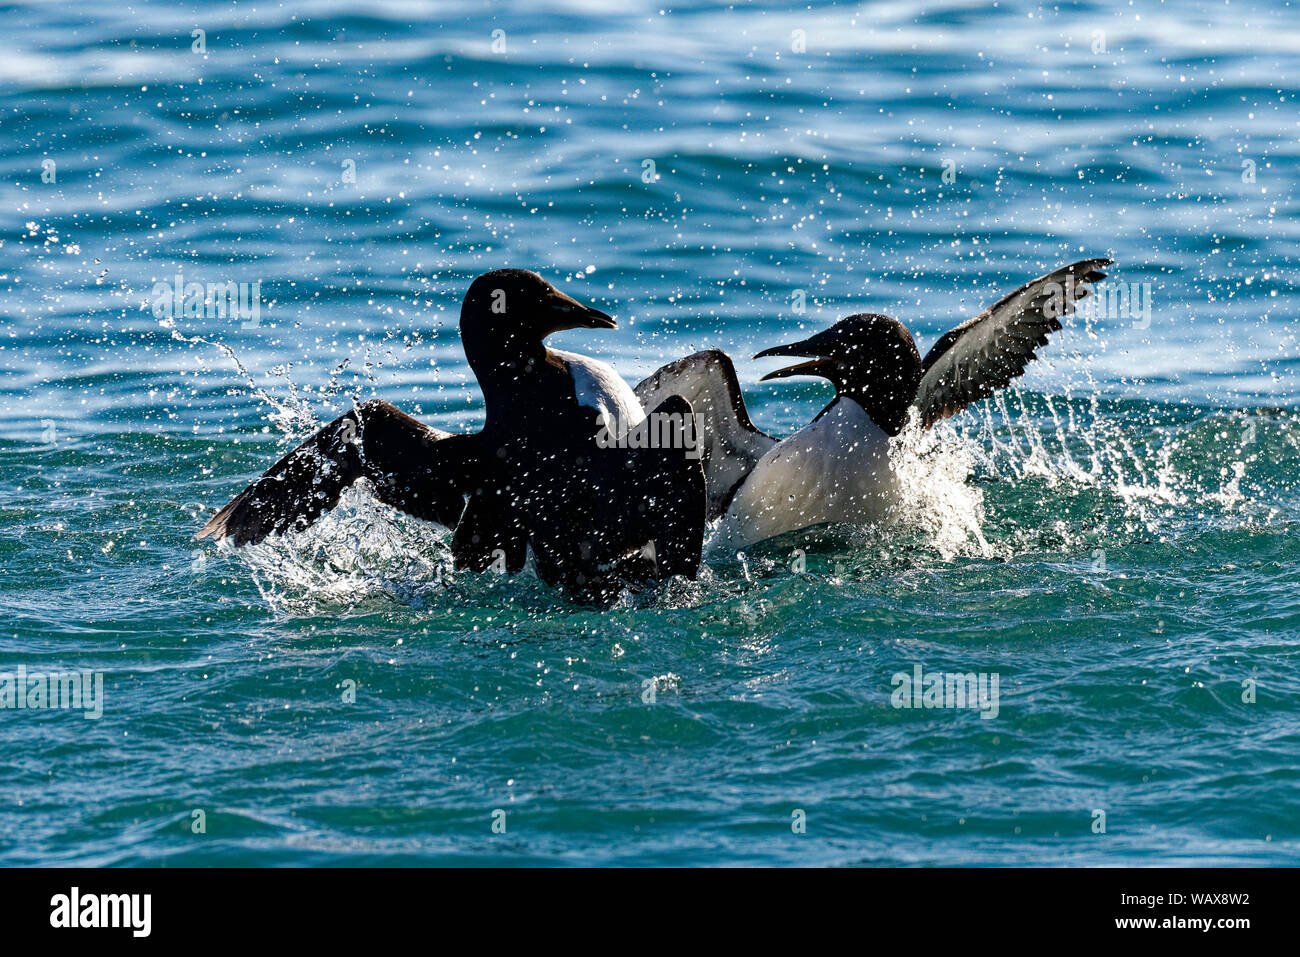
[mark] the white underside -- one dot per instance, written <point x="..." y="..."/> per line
<point x="597" y="386"/>
<point x="835" y="470"/>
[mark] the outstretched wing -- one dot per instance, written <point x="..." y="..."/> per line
<point x="414" y="468"/>
<point x="731" y="443"/>
<point x="984" y="354"/>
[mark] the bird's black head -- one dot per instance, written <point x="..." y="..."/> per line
<point x="870" y="358"/>
<point x="508" y="312"/>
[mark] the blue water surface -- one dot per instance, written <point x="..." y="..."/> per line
<point x="1117" y="538"/>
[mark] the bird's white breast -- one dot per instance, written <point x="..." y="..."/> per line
<point x="835" y="470"/>
<point x="597" y="386"/>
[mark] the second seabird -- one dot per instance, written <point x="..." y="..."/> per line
<point x="837" y="469"/>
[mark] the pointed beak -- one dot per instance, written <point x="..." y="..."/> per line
<point x="565" y="312"/>
<point x="806" y="348"/>
<point x="811" y="367"/>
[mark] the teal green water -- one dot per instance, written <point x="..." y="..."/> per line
<point x="1117" y="540"/>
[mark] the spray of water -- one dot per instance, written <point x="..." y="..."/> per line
<point x="291" y="416"/>
<point x="936" y="496"/>
<point x="360" y="550"/>
<point x="1063" y="473"/>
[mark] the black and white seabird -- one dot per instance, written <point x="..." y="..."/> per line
<point x="837" y="468"/>
<point x="533" y="478"/>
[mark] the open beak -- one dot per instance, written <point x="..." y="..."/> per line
<point x="567" y="313"/>
<point x="808" y="347"/>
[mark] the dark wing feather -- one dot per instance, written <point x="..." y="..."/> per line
<point x="984" y="354"/>
<point x="414" y="468"/>
<point x="732" y="445"/>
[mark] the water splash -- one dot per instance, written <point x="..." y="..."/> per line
<point x="1020" y="474"/>
<point x="359" y="550"/>
<point x="936" y="498"/>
